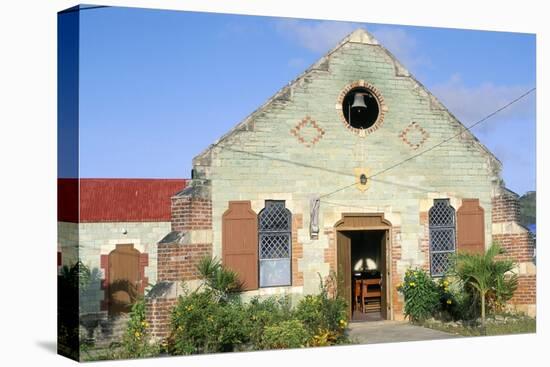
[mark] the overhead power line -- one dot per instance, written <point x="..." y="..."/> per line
<point x="464" y="128"/>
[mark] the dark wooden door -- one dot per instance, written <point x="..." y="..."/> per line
<point x="384" y="274"/>
<point x="343" y="261"/>
<point x="124" y="278"/>
<point x="240" y="242"/>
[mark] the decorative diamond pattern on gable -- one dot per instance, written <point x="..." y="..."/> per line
<point x="308" y="132"/>
<point x="414" y="135"/>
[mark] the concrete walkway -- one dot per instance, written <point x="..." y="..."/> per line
<point x="392" y="331"/>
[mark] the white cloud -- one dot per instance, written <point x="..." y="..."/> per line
<point x="402" y="45"/>
<point x="471" y="103"/>
<point x="321" y="36"/>
<point x="510" y="134"/>
<point x="316" y="36"/>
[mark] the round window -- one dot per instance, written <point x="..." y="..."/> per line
<point x="360" y="108"/>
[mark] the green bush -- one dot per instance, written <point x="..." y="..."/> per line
<point x="264" y="313"/>
<point x="324" y="317"/>
<point x="213" y="319"/>
<point x="202" y="324"/>
<point x="455" y="302"/>
<point x="422" y="295"/>
<point x="287" y="334"/>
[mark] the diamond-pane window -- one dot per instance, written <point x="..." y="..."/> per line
<point x="274" y="222"/>
<point x="442" y="236"/>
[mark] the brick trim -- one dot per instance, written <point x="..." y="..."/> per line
<point x="382" y="107"/>
<point x="297" y="250"/>
<point x="329" y="253"/>
<point x="396" y="277"/>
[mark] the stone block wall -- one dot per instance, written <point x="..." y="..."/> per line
<point x="264" y="158"/>
<point x="67" y="242"/>
<point x="99" y="239"/>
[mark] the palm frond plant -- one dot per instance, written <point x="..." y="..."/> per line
<point x="492" y="279"/>
<point x="220" y="280"/>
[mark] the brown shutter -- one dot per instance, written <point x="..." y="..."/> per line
<point x="240" y="242"/>
<point x="471" y="227"/>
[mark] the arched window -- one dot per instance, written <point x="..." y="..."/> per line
<point x="274" y="231"/>
<point x="442" y="236"/>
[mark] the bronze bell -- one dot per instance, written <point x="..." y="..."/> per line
<point x="359" y="100"/>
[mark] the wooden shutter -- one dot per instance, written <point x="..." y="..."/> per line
<point x="471" y="227"/>
<point x="240" y="242"/>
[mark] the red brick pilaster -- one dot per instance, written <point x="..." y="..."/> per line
<point x="519" y="245"/>
<point x="330" y="252"/>
<point x="396" y="277"/>
<point x="179" y="261"/>
<point x="158" y="313"/>
<point x="297" y="250"/>
<point x="190" y="213"/>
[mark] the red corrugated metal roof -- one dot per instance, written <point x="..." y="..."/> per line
<point x="117" y="200"/>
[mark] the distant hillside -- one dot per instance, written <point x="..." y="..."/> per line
<point x="528" y="208"/>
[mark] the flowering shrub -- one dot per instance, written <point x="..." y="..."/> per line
<point x="422" y="296"/>
<point x="324" y="317"/>
<point x="136" y="342"/>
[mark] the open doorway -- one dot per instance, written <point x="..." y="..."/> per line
<point x="362" y="245"/>
<point x="367" y="264"/>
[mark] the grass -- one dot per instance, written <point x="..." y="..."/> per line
<point x="517" y="326"/>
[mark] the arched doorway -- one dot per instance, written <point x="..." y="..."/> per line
<point x="124" y="284"/>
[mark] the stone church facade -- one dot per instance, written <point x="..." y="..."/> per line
<point x="339" y="158"/>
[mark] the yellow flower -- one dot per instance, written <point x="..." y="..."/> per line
<point x="449" y="301"/>
<point x="445" y="283"/>
<point x="137" y="334"/>
<point x="412" y="284"/>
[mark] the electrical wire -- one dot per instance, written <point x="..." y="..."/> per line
<point x="464" y="128"/>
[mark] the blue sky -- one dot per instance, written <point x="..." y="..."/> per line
<point x="146" y="78"/>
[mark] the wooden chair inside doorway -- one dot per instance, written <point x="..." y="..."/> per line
<point x="371" y="295"/>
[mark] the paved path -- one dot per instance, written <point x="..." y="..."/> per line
<point x="392" y="331"/>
